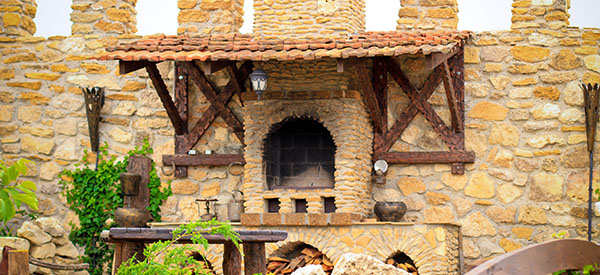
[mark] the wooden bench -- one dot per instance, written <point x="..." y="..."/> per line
<point x="542" y="259"/>
<point x="130" y="241"/>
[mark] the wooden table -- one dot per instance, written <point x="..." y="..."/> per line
<point x="130" y="241"/>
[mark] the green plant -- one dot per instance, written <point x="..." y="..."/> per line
<point x="586" y="270"/>
<point x="166" y="258"/>
<point x="94" y="194"/>
<point x="14" y="193"/>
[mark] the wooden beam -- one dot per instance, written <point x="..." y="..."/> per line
<point x="211" y="113"/>
<point x="457" y="69"/>
<point x="210" y="67"/>
<point x="343" y="64"/>
<point x="380" y="83"/>
<point x="421" y="103"/>
<point x="435" y="59"/>
<point x="407" y="115"/>
<point x="362" y="78"/>
<point x="126" y="67"/>
<point x="207" y="160"/>
<point x="181" y="102"/>
<point x="200" y="80"/>
<point x="165" y="98"/>
<point x="427" y="157"/>
<point x="457" y="123"/>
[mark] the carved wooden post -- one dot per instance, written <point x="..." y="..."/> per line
<point x="255" y="259"/>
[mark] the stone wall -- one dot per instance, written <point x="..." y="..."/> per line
<point x="101" y="17"/>
<point x="209" y="16"/>
<point x="427" y="15"/>
<point x="308" y="18"/>
<point x="17" y="17"/>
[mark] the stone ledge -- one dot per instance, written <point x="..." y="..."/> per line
<point x="298" y="219"/>
<point x="302" y="95"/>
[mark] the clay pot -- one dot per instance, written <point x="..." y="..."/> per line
<point x="130" y="183"/>
<point x="131" y="217"/>
<point x="390" y="211"/>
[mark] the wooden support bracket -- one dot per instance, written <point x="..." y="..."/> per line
<point x="166" y="99"/>
<point x="210" y="67"/>
<point x="126" y="67"/>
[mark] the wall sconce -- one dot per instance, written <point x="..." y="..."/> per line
<point x="380" y="167"/>
<point x="94" y="100"/>
<point x="258" y="78"/>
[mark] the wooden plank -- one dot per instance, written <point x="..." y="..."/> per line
<point x="457" y="71"/>
<point x="362" y="78"/>
<point x="421" y="103"/>
<point x="123" y="234"/>
<point x="543" y="258"/>
<point x="181" y="102"/>
<point x="38" y="262"/>
<point x="457" y="123"/>
<point x="126" y="67"/>
<point x="435" y="59"/>
<point x="427" y="157"/>
<point x="18" y="262"/>
<point x="126" y="250"/>
<point x="255" y="259"/>
<point x="210" y="67"/>
<point x="200" y="80"/>
<point x="165" y="98"/>
<point x="207" y="160"/>
<point x="232" y="259"/>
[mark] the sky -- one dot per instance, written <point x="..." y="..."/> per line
<point x="477" y="15"/>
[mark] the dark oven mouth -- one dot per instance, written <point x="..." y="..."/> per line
<point x="299" y="153"/>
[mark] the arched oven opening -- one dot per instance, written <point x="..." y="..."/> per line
<point x="402" y="261"/>
<point x="299" y="154"/>
<point x="292" y="256"/>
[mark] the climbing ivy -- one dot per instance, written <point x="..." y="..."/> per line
<point x="95" y="194"/>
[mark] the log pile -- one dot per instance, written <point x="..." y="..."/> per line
<point x="408" y="267"/>
<point x="308" y="256"/>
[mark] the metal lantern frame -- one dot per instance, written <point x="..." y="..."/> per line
<point x="259" y="79"/>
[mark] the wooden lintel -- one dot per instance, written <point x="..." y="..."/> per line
<point x="126" y="67"/>
<point x="207" y="160"/>
<point x="165" y="98"/>
<point x="427" y="157"/>
<point x="435" y="59"/>
<point x="210" y="67"/>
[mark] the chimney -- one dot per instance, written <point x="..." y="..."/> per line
<point x="280" y="19"/>
<point x="427" y="15"/>
<point x="536" y="14"/>
<point x="17" y="17"/>
<point x="210" y="16"/>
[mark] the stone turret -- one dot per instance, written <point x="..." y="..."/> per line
<point x="308" y="18"/>
<point x="427" y="15"/>
<point x="209" y="16"/>
<point x="102" y="17"/>
<point x="17" y="17"/>
<point x="536" y="14"/>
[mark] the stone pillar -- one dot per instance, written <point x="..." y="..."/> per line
<point x="102" y="17"/>
<point x="308" y="18"/>
<point x="427" y="15"/>
<point x="209" y="16"/>
<point x="17" y="17"/>
<point x="546" y="14"/>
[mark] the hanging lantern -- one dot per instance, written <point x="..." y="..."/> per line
<point x="258" y="78"/>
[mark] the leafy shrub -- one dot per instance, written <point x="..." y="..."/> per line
<point x="95" y="194"/>
<point x="14" y="193"/>
<point x="166" y="258"/>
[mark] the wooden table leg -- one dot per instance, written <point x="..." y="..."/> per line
<point x="255" y="259"/>
<point x="126" y="250"/>
<point x="232" y="260"/>
<point x="18" y="262"/>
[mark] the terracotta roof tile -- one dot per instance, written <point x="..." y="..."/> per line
<point x="246" y="47"/>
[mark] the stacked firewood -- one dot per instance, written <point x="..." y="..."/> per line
<point x="404" y="266"/>
<point x="308" y="256"/>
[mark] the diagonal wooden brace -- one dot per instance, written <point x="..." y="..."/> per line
<point x="165" y="98"/>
